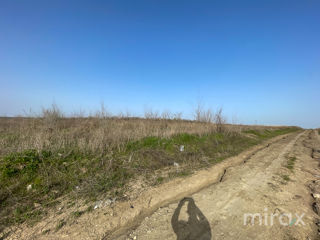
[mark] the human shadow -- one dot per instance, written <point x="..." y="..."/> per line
<point x="196" y="228"/>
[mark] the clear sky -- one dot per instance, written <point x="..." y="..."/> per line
<point x="259" y="59"/>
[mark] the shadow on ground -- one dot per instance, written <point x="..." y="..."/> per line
<point x="196" y="228"/>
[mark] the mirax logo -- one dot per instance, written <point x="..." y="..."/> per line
<point x="268" y="219"/>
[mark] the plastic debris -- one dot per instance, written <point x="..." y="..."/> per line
<point x="181" y="148"/>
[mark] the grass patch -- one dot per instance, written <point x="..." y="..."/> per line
<point x="159" y="180"/>
<point x="183" y="173"/>
<point x="22" y="214"/>
<point x="267" y="133"/>
<point x="290" y="162"/>
<point x="90" y="209"/>
<point x="77" y="214"/>
<point x="60" y="224"/>
<point x="286" y="177"/>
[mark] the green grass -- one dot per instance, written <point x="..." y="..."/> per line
<point x="89" y="174"/>
<point x="266" y="134"/>
<point x="290" y="165"/>
<point x="290" y="162"/>
<point x="159" y="180"/>
<point x="77" y="214"/>
<point x="60" y="224"/>
<point x="286" y="177"/>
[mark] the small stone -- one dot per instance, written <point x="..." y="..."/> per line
<point x="98" y="204"/>
<point x="36" y="205"/>
<point x="316" y="195"/>
<point x="108" y="202"/>
<point x="181" y="148"/>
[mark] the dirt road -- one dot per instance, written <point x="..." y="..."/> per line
<point x="265" y="184"/>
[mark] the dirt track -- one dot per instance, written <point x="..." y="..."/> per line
<point x="258" y="186"/>
<point x="256" y="181"/>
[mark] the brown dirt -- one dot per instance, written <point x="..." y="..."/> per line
<point x="248" y="183"/>
<point x="252" y="187"/>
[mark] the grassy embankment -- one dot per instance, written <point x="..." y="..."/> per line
<point x="43" y="159"/>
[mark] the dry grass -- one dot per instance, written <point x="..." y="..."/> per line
<point x="94" y="134"/>
<point x="89" y="156"/>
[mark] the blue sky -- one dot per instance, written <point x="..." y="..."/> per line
<point x="259" y="60"/>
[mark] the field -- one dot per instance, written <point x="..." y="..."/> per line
<point x="43" y="159"/>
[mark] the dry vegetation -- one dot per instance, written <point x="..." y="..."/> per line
<point x="43" y="158"/>
<point x="90" y="134"/>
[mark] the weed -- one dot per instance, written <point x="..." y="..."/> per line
<point x="60" y="224"/>
<point x="182" y="173"/>
<point x="44" y="232"/>
<point x="286" y="177"/>
<point x="290" y="162"/>
<point x="77" y="214"/>
<point x="160" y="180"/>
<point x="90" y="209"/>
<point x="24" y="213"/>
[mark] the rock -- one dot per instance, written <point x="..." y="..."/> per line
<point x="29" y="187"/>
<point x="36" y="205"/>
<point x="315" y="195"/>
<point x="108" y="202"/>
<point x="98" y="204"/>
